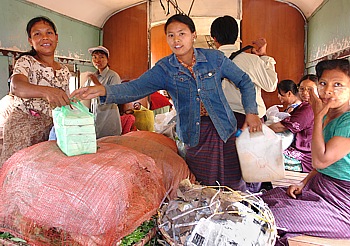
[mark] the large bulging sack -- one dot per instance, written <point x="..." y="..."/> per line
<point x="48" y="198"/>
<point x="158" y="147"/>
<point x="159" y="138"/>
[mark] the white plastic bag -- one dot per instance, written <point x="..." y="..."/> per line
<point x="260" y="155"/>
<point x="161" y="121"/>
<point x="274" y="115"/>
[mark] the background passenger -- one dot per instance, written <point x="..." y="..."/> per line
<point x="107" y="116"/>
<point x="159" y="104"/>
<point x="306" y="83"/>
<point x="297" y="157"/>
<point x="259" y="66"/>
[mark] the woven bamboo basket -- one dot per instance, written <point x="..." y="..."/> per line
<point x="178" y="219"/>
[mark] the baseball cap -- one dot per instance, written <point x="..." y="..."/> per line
<point x="101" y="48"/>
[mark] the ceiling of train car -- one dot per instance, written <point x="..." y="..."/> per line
<point x="96" y="12"/>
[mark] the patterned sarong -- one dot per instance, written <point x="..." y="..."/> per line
<point x="213" y="161"/>
<point x="22" y="130"/>
<point x="322" y="210"/>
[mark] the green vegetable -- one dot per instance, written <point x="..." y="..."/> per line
<point x="128" y="240"/>
<point x="16" y="239"/>
<point x="139" y="233"/>
<point x="6" y="235"/>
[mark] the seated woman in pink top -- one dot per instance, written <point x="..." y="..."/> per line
<point x="300" y="123"/>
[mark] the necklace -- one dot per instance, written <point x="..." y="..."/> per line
<point x="189" y="67"/>
<point x="203" y="111"/>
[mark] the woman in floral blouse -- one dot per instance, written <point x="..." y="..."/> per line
<point x="39" y="84"/>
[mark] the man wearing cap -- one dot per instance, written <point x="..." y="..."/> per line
<point x="107" y="117"/>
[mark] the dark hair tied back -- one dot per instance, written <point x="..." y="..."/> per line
<point x="287" y="85"/>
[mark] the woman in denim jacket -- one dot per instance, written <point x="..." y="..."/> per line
<point x="205" y="122"/>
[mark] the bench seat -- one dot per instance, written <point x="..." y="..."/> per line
<point x="317" y="241"/>
<point x="294" y="178"/>
<point x="290" y="177"/>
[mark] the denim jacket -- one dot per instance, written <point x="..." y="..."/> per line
<point x="187" y="92"/>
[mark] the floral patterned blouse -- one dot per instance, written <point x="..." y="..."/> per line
<point x="38" y="74"/>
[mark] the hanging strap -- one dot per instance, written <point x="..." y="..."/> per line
<point x="236" y="53"/>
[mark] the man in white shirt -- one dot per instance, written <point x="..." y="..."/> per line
<point x="259" y="66"/>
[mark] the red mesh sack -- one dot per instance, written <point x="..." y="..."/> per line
<point x="174" y="168"/>
<point x="48" y="198"/>
<point x="160" y="138"/>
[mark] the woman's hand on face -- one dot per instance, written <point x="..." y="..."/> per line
<point x="320" y="109"/>
<point x="294" y="190"/>
<point x="253" y="122"/>
<point x="56" y="97"/>
<point x="88" y="92"/>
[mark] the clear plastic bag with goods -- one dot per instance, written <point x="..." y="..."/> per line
<point x="75" y="129"/>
